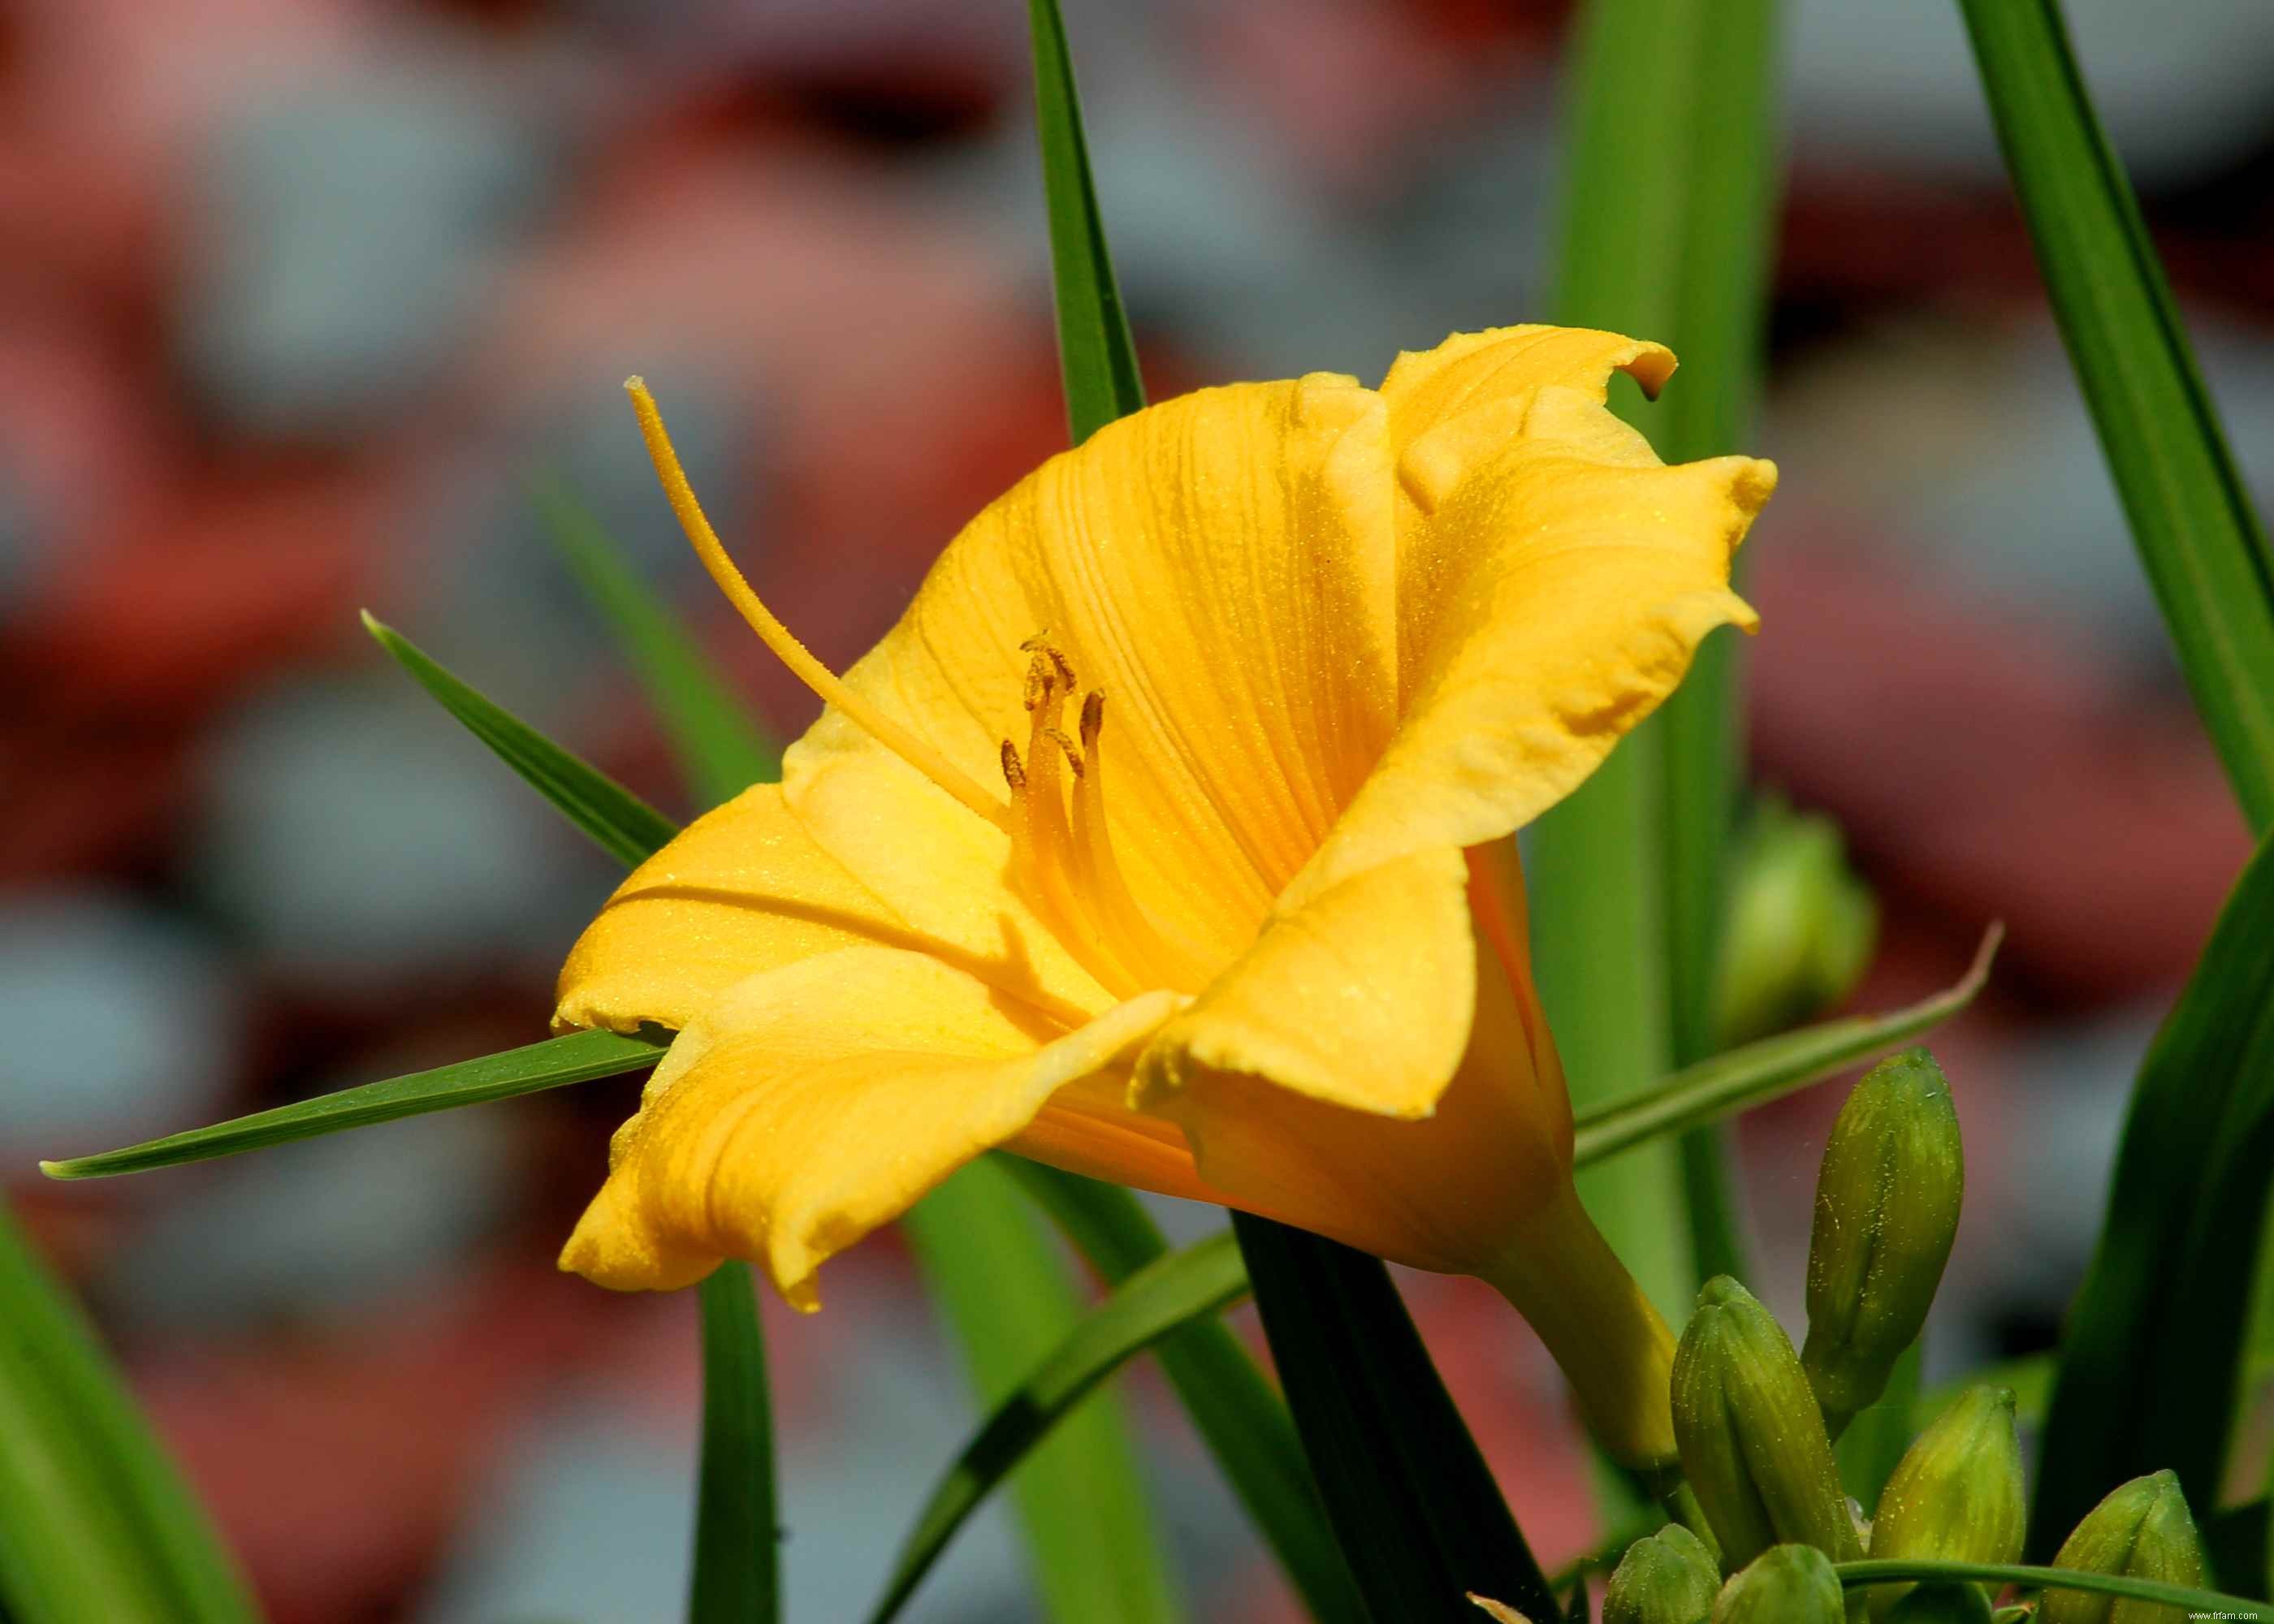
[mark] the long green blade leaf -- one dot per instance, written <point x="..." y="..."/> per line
<point x="578" y="1057"/>
<point x="1166" y="1294"/>
<point x="1419" y="1516"/>
<point x="737" y="1537"/>
<point x="1764" y="1071"/>
<point x="95" y="1522"/>
<point x="1233" y="1405"/>
<point x="2151" y="1359"/>
<point x="1096" y="360"/>
<point x="2203" y="1604"/>
<point x="626" y="827"/>
<point x="1080" y="1494"/>
<point x="719" y="750"/>
<point x="1670" y="188"/>
<point x="2203" y="546"/>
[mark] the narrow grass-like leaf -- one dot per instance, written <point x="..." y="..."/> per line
<point x="95" y="1523"/>
<point x="1167" y="1295"/>
<point x="1419" y="1513"/>
<point x="2150" y="1358"/>
<point x="1080" y="1494"/>
<point x="737" y="1536"/>
<point x="2202" y="543"/>
<point x="1233" y="1405"/>
<point x="578" y="1057"/>
<point x="1097" y="362"/>
<point x="720" y="751"/>
<point x="1670" y="186"/>
<point x="626" y="827"/>
<point x="2203" y="1604"/>
<point x="1766" y="1070"/>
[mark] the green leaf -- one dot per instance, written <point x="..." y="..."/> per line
<point x="737" y="1537"/>
<point x="720" y="751"/>
<point x="578" y="1057"/>
<point x="1096" y="360"/>
<point x="2204" y="548"/>
<point x="626" y="827"/>
<point x="1897" y="1570"/>
<point x="1670" y="187"/>
<point x="1764" y="1071"/>
<point x="1418" y="1511"/>
<point x="94" y="1521"/>
<point x="1233" y="1405"/>
<point x="1168" y="1293"/>
<point x="2150" y="1361"/>
<point x="1082" y="1493"/>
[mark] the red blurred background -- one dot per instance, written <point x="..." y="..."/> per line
<point x="296" y="295"/>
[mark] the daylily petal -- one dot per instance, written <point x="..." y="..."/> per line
<point x="1443" y="1192"/>
<point x="1555" y="580"/>
<point x="1221" y="567"/>
<point x="1361" y="997"/>
<point x="810" y="1104"/>
<point x="742" y="889"/>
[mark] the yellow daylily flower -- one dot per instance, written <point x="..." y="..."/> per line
<point x="1164" y="839"/>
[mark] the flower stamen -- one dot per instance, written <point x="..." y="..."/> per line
<point x="884" y="729"/>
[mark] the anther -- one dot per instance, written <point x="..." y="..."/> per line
<point x="1038" y="683"/>
<point x="1065" y="671"/>
<point x="1093" y="717"/>
<point x="1072" y="751"/>
<point x="1013" y="774"/>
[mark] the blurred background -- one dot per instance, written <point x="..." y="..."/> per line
<point x="296" y="295"/>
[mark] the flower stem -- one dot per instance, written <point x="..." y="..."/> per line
<point x="1560" y="1274"/>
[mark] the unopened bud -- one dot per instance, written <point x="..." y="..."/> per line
<point x="1887" y="1210"/>
<point x="1669" y="1578"/>
<point x="1957" y="1495"/>
<point x="2143" y="1530"/>
<point x="1752" y="1443"/>
<point x="1801" y="925"/>
<point x="1785" y="1584"/>
<point x="1942" y="1604"/>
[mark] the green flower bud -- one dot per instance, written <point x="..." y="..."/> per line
<point x="1801" y="926"/>
<point x="1785" y="1584"/>
<point x="2143" y="1530"/>
<point x="1669" y="1578"/>
<point x="1941" y="1603"/>
<point x="1887" y="1210"/>
<point x="1957" y="1495"/>
<point x="1752" y="1444"/>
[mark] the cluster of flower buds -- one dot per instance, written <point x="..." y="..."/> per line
<point x="1755" y="1421"/>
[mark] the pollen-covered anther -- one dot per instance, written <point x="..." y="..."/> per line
<point x="1056" y="735"/>
<point x="1093" y="717"/>
<point x="1013" y="774"/>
